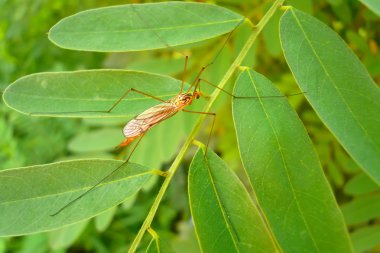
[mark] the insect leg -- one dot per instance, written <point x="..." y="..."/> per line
<point x="110" y="109"/>
<point x="212" y="126"/>
<point x="127" y="92"/>
<point x="100" y="181"/>
<point x="184" y="73"/>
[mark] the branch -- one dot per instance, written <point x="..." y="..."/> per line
<point x="175" y="165"/>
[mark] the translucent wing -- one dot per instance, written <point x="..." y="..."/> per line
<point x="149" y="118"/>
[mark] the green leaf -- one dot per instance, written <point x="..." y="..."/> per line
<point x="362" y="209"/>
<point x="104" y="139"/>
<point x="136" y="27"/>
<point x="337" y="86"/>
<point x="360" y="184"/>
<point x="164" y="66"/>
<point x="365" y="238"/>
<point x="30" y="195"/>
<point x="284" y="170"/>
<point x="373" y="5"/>
<point x="335" y="174"/>
<point x="270" y="35"/>
<point x="73" y="94"/>
<point x="103" y="122"/>
<point x="65" y="237"/>
<point x="36" y="243"/>
<point x="103" y="220"/>
<point x="225" y="218"/>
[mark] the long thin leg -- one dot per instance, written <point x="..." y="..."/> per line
<point x="212" y="126"/>
<point x="127" y="92"/>
<point x="184" y="73"/>
<point x="101" y="181"/>
<point x="196" y="79"/>
<point x="217" y="55"/>
<point x="232" y="95"/>
<point x="225" y="42"/>
<point x="112" y="107"/>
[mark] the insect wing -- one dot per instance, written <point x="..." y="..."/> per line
<point x="149" y="118"/>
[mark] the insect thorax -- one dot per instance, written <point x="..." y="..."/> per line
<point x="183" y="99"/>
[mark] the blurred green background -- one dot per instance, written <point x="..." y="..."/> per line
<point x="24" y="140"/>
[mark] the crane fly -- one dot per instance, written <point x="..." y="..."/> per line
<point x="158" y="113"/>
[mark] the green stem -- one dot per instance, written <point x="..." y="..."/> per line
<point x="175" y="165"/>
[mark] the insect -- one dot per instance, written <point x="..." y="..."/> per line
<point x="158" y="113"/>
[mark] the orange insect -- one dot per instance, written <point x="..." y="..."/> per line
<point x="138" y="126"/>
<point x="156" y="114"/>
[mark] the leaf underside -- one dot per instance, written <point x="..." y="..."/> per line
<point x="29" y="195"/>
<point x="225" y="218"/>
<point x="88" y="93"/>
<point x="337" y="86"/>
<point x="284" y="170"/>
<point x="136" y="27"/>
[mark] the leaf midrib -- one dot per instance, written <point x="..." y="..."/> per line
<point x="77" y="189"/>
<point x="149" y="29"/>
<point x="85" y="99"/>
<point x="284" y="165"/>
<point x="229" y="226"/>
<point x="340" y="95"/>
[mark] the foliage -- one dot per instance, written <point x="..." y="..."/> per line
<point x="280" y="201"/>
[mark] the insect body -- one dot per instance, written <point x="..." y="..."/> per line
<point x="154" y="115"/>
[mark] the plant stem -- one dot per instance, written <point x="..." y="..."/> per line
<point x="175" y="165"/>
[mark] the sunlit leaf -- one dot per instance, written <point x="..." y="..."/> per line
<point x="365" y="238"/>
<point x="30" y="195"/>
<point x="73" y="94"/>
<point x="337" y="86"/>
<point x="360" y="184"/>
<point x="284" y="170"/>
<point x="225" y="218"/>
<point x="270" y="35"/>
<point x="362" y="209"/>
<point x="143" y="26"/>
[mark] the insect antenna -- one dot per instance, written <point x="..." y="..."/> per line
<point x="258" y="97"/>
<point x="216" y="56"/>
